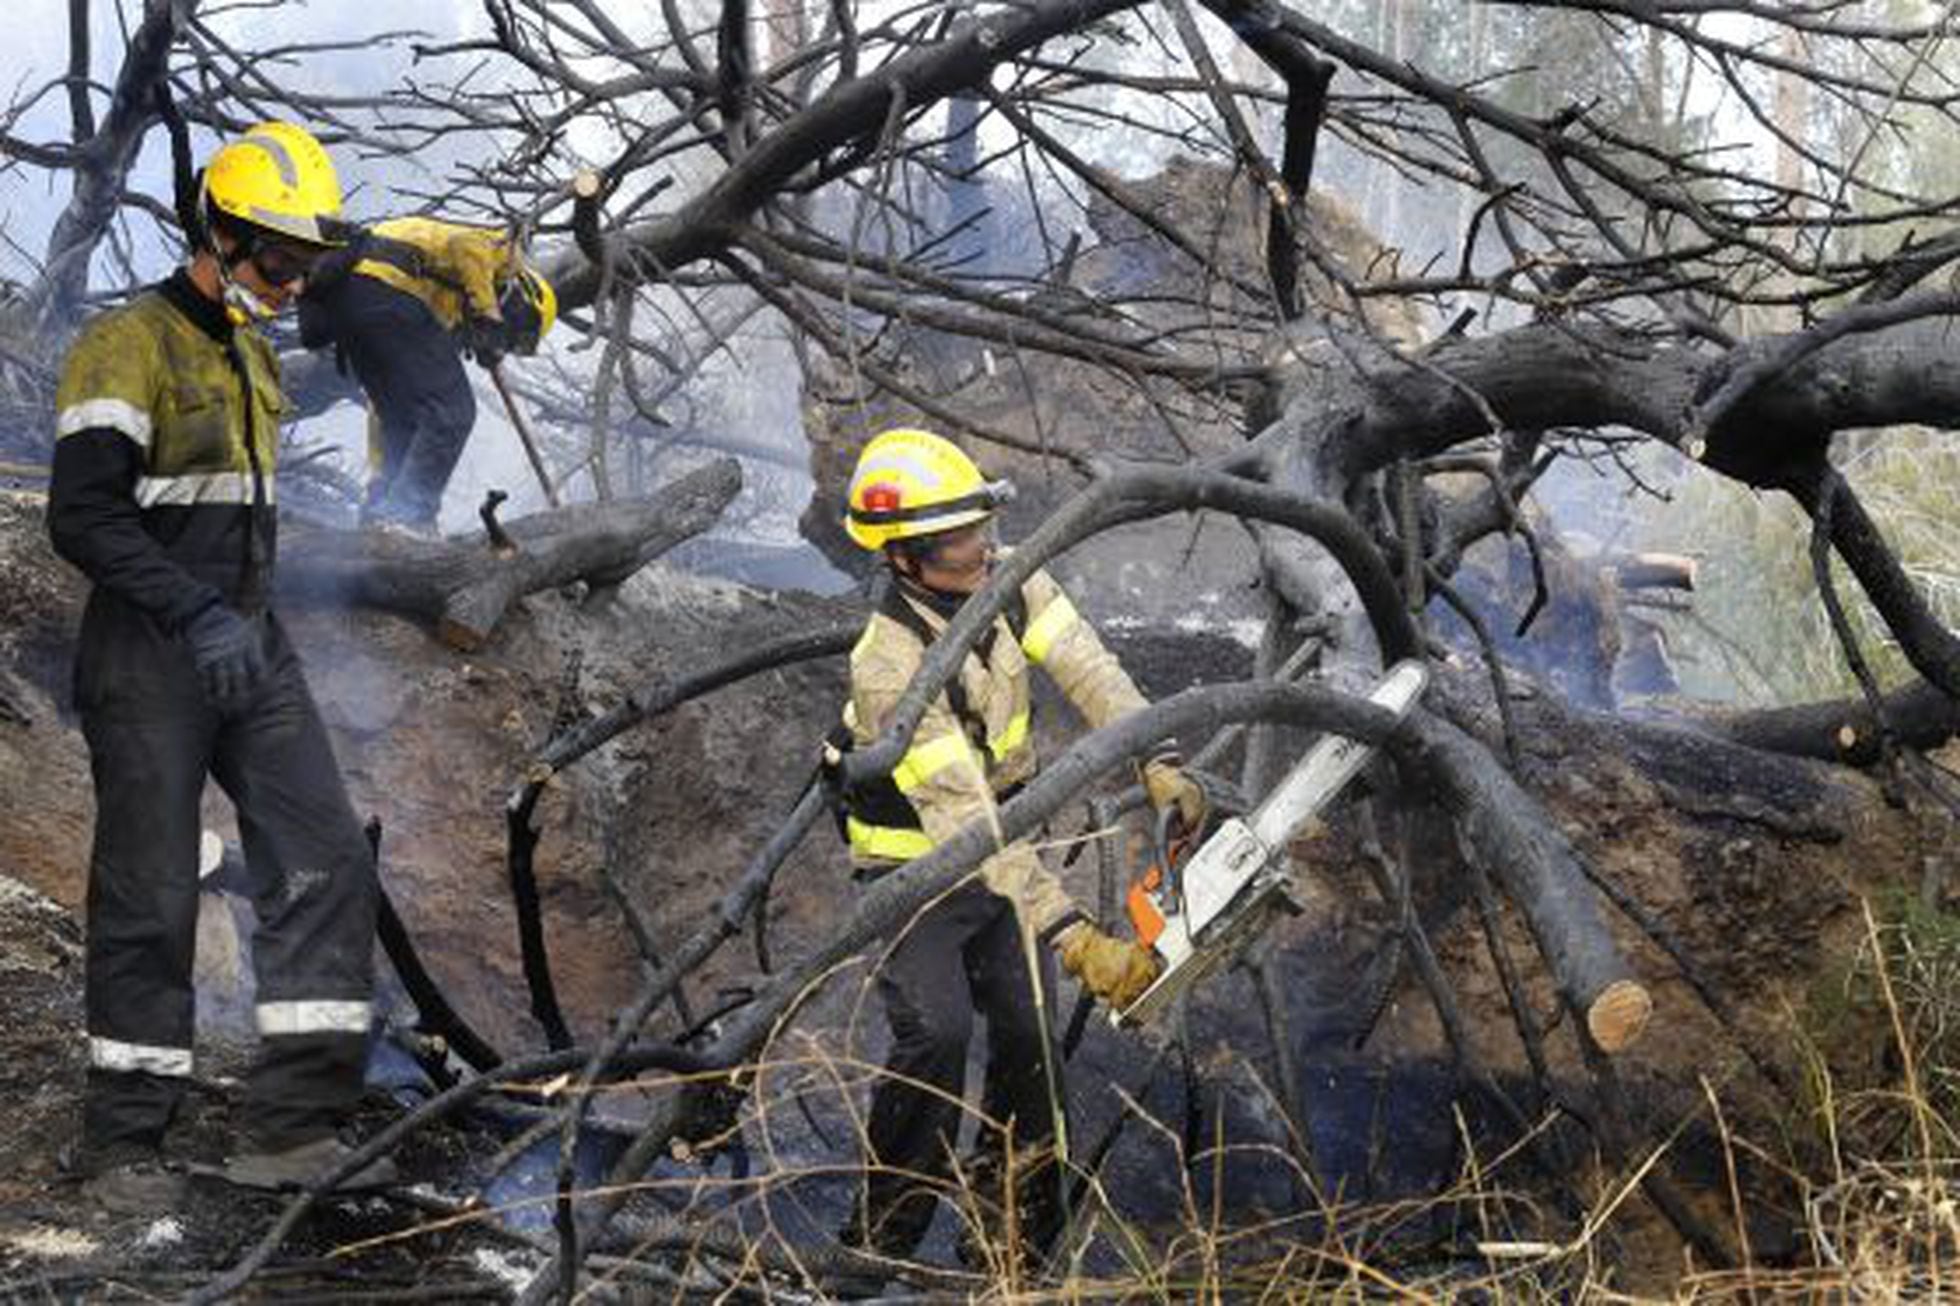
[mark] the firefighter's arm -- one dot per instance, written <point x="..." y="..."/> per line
<point x="1066" y="645"/>
<point x="108" y="391"/>
<point x="1062" y="643"/>
<point x="940" y="774"/>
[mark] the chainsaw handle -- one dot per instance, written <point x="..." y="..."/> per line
<point x="1163" y="833"/>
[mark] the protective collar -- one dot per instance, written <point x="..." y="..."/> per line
<point x="206" y="314"/>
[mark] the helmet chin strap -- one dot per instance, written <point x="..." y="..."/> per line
<point x="242" y="304"/>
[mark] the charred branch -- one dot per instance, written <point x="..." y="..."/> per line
<point x="101" y="162"/>
<point x="1846" y="730"/>
<point x="642" y="705"/>
<point x="1928" y="643"/>
<point x="845" y="116"/>
<point x="439" y="1018"/>
<point x="1543" y="875"/>
<point x="1344" y="421"/>
<point x="1307" y="78"/>
<point x="465" y="589"/>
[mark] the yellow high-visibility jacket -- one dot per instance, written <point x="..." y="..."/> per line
<point x="167" y="426"/>
<point x="454" y="268"/>
<point x="950" y="778"/>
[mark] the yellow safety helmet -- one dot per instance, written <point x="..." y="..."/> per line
<point x="530" y="308"/>
<point x="910" y="483"/>
<point x="278" y="179"/>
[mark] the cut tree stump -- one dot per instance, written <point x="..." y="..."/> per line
<point x="464" y="585"/>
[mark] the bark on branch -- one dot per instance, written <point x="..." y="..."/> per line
<point x="1510" y="834"/>
<point x="465" y="587"/>
<point x="1845" y="730"/>
<point x="101" y="163"/>
<point x="845" y="115"/>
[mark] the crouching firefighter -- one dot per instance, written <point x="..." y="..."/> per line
<point x="400" y="307"/>
<point x="920" y="501"/>
<point x="163" y="494"/>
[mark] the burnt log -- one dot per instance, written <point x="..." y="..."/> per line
<point x="1845" y="730"/>
<point x="1509" y="833"/>
<point x="465" y="585"/>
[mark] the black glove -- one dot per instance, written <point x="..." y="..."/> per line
<point x="229" y="653"/>
<point x="485" y="341"/>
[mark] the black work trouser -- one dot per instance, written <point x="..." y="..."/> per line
<point x="153" y="738"/>
<point x="411" y="368"/>
<point x="960" y="956"/>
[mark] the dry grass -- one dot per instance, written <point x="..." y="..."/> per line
<point x="1871" y="1156"/>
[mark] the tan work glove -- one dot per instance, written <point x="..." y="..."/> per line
<point x="1167" y="785"/>
<point x="1115" y="970"/>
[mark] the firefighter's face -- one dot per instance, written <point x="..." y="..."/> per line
<point x="959" y="560"/>
<point x="274" y="273"/>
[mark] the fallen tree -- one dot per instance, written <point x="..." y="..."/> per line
<point x="464" y="586"/>
<point x="1595" y="271"/>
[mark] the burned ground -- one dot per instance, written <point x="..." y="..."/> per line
<point x="1752" y="864"/>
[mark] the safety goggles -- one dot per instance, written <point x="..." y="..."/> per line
<point x="963" y="551"/>
<point x="282" y="264"/>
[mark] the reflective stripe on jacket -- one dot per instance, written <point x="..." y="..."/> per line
<point x="949" y="778"/>
<point x="454" y="268"/>
<point x="167" y="435"/>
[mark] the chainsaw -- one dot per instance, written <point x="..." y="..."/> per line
<point x="1198" y="910"/>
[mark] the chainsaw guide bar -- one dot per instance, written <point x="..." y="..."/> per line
<point x="1203" y="916"/>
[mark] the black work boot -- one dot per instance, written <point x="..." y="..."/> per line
<point x="128" y="1179"/>
<point x="304" y="1163"/>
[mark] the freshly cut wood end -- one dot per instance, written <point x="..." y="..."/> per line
<point x="1847" y="737"/>
<point x="1619" y="1015"/>
<point x="586" y="185"/>
<point x="460" y="637"/>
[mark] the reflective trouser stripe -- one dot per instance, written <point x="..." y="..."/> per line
<point x="114" y="1054"/>
<point x="923" y="761"/>
<point x="887" y="842"/>
<point x="313" y="1017"/>
<point x="1051" y="625"/>
<point x="114" y="414"/>
<point x="200" y="488"/>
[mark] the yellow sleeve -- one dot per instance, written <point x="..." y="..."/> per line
<point x="110" y="380"/>
<point x="1063" y="643"/>
<point x="942" y="777"/>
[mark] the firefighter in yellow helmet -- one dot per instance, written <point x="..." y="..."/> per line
<point x="921" y="502"/>
<point x="400" y="307"/>
<point x="163" y="494"/>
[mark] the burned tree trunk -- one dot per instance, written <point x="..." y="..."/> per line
<point x="465" y="585"/>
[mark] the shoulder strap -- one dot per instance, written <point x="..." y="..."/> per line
<point x="1017" y="614"/>
<point x="410" y="259"/>
<point x="898" y="609"/>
